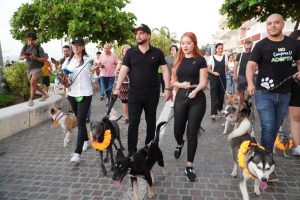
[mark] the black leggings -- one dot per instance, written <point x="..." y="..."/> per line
<point x="191" y="111"/>
<point x="81" y="110"/>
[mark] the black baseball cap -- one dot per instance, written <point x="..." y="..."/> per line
<point x="143" y="27"/>
<point x="78" y="40"/>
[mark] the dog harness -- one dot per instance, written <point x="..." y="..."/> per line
<point x="58" y="117"/>
<point x="242" y="156"/>
<point x="104" y="144"/>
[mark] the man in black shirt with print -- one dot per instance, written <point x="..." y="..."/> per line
<point x="274" y="56"/>
<point x="141" y="64"/>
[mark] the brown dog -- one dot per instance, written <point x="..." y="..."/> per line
<point x="67" y="121"/>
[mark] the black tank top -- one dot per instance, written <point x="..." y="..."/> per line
<point x="219" y="66"/>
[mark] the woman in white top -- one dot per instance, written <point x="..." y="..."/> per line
<point x="216" y="68"/>
<point x="229" y="74"/>
<point x="79" y="92"/>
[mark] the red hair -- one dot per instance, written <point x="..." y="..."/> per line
<point x="196" y="52"/>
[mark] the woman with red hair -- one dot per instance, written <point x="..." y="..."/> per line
<point x="190" y="78"/>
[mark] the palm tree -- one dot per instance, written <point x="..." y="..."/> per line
<point x="166" y="33"/>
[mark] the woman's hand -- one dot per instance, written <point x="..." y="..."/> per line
<point x="192" y="94"/>
<point x="216" y="74"/>
<point x="185" y="85"/>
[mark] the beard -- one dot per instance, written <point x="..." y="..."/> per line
<point x="141" y="42"/>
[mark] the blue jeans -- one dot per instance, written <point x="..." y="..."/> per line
<point x="229" y="83"/>
<point x="271" y="108"/>
<point x="101" y="88"/>
<point x="108" y="85"/>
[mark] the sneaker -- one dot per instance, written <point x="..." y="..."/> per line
<point x="30" y="102"/>
<point x="75" y="158"/>
<point x="86" y="145"/>
<point x="126" y="121"/>
<point x="190" y="173"/>
<point x="296" y="151"/>
<point x="273" y="177"/>
<point x="213" y="117"/>
<point x="87" y="121"/>
<point x="44" y="97"/>
<point x="101" y="98"/>
<point x="177" y="152"/>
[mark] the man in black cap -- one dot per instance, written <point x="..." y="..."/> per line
<point x="35" y="58"/>
<point x="143" y="62"/>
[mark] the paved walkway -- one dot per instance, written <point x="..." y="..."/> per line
<point x="34" y="165"/>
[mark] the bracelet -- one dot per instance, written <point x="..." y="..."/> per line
<point x="117" y="88"/>
<point x="168" y="89"/>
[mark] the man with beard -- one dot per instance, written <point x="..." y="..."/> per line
<point x="273" y="56"/>
<point x="141" y="63"/>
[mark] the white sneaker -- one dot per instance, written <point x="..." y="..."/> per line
<point x="30" y="102"/>
<point x="296" y="151"/>
<point x="213" y="117"/>
<point x="86" y="145"/>
<point x="75" y="158"/>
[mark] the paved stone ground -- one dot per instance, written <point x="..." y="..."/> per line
<point x="34" y="165"/>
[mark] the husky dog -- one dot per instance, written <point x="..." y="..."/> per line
<point x="259" y="163"/>
<point x="140" y="164"/>
<point x="67" y="121"/>
<point x="231" y="111"/>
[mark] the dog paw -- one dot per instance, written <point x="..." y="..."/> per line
<point x="224" y="133"/>
<point x="234" y="174"/>
<point x="267" y="83"/>
<point x="164" y="171"/>
<point x="257" y="191"/>
<point x="151" y="193"/>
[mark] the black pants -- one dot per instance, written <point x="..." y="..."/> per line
<point x="136" y="104"/>
<point x="81" y="110"/>
<point x="190" y="111"/>
<point x="217" y="93"/>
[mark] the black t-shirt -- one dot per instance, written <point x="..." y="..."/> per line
<point x="188" y="70"/>
<point x="243" y="63"/>
<point x="274" y="61"/>
<point x="143" y="69"/>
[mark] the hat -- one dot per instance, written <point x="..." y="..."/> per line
<point x="143" y="27"/>
<point x="78" y="40"/>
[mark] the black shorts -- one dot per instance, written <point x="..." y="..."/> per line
<point x="295" y="94"/>
<point x="241" y="83"/>
<point x="46" y="80"/>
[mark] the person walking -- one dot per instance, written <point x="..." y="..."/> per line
<point x="170" y="64"/>
<point x="79" y="92"/>
<point x="124" y="88"/>
<point x="34" y="55"/>
<point x="273" y="56"/>
<point x="240" y="71"/>
<point x="107" y="62"/>
<point x="216" y="67"/>
<point x="229" y="74"/>
<point x="142" y="62"/>
<point x="294" y="106"/>
<point x="46" y="70"/>
<point x="190" y="77"/>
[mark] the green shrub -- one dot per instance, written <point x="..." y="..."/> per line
<point x="16" y="79"/>
<point x="6" y="100"/>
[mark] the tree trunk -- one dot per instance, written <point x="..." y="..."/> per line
<point x="297" y="25"/>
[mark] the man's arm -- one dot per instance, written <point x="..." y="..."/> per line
<point x="235" y="69"/>
<point x="166" y="77"/>
<point x="251" y="66"/>
<point x="121" y="77"/>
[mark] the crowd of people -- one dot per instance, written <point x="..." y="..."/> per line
<point x="269" y="72"/>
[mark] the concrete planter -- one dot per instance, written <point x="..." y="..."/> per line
<point x="19" y="117"/>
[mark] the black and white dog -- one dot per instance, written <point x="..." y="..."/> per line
<point x="140" y="165"/>
<point x="250" y="161"/>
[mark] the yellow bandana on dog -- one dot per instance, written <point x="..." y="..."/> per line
<point x="103" y="145"/>
<point x="242" y="156"/>
<point x="283" y="147"/>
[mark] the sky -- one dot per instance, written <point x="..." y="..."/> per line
<point x="200" y="17"/>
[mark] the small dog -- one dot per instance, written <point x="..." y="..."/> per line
<point x="283" y="142"/>
<point x="98" y="129"/>
<point x="231" y="111"/>
<point x="140" y="164"/>
<point x="67" y="121"/>
<point x="254" y="162"/>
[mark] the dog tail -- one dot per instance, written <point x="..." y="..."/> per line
<point x="158" y="127"/>
<point x="242" y="129"/>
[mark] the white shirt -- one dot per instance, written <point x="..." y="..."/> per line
<point x="82" y="85"/>
<point x="218" y="58"/>
<point x="230" y="65"/>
